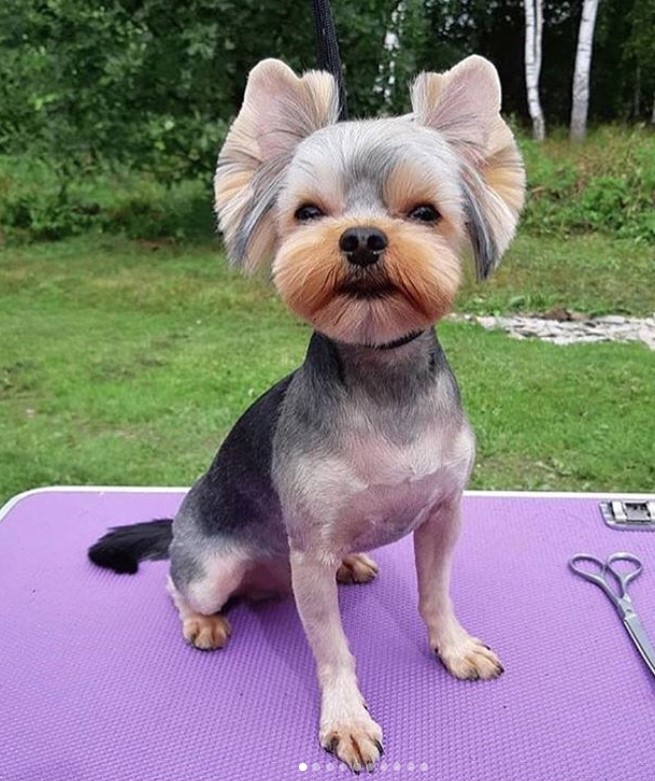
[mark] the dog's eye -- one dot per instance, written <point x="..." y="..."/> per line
<point x="425" y="213"/>
<point x="308" y="212"/>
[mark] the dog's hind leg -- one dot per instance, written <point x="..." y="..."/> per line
<point x="200" y="598"/>
<point x="206" y="632"/>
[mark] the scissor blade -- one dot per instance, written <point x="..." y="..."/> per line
<point x="640" y="639"/>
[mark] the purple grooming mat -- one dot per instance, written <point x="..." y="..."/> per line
<point x="97" y="683"/>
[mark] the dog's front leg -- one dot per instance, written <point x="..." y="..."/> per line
<point x="463" y="656"/>
<point x="346" y="728"/>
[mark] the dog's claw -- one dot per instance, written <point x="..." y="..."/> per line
<point x="332" y="745"/>
<point x="379" y="747"/>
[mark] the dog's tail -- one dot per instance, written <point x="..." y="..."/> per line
<point x="123" y="547"/>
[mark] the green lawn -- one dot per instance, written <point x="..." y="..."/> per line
<point x="126" y="363"/>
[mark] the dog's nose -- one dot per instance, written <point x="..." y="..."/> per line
<point x="363" y="245"/>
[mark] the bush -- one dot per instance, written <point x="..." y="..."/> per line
<point x="606" y="185"/>
<point x="37" y="202"/>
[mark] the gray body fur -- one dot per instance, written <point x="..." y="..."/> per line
<point x="309" y="461"/>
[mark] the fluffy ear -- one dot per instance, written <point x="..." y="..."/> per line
<point x="463" y="104"/>
<point x="279" y="110"/>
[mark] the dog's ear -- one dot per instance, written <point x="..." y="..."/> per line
<point x="463" y="105"/>
<point x="279" y="110"/>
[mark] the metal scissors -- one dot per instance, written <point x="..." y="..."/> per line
<point x="620" y="599"/>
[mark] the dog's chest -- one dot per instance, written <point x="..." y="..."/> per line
<point x="374" y="490"/>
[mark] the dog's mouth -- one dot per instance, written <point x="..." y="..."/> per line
<point x="367" y="287"/>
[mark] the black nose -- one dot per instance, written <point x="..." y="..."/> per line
<point x="363" y="246"/>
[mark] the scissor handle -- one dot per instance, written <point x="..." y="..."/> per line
<point x="593" y="577"/>
<point x="624" y="576"/>
<point x="603" y="568"/>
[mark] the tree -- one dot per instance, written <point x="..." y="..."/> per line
<point x="534" y="17"/>
<point x="386" y="79"/>
<point x="641" y="50"/>
<point x="153" y="84"/>
<point x="582" y="71"/>
<point x="401" y="56"/>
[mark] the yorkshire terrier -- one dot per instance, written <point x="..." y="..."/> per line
<point x="365" y="223"/>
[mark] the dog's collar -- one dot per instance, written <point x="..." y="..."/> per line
<point x="398" y="342"/>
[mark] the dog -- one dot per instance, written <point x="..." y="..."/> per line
<point x="365" y="223"/>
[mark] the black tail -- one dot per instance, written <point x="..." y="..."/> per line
<point x="122" y="548"/>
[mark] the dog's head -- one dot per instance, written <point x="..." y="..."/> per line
<point x="365" y="221"/>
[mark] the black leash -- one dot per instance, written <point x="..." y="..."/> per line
<point x="327" y="50"/>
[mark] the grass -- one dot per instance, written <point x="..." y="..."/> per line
<point x="589" y="274"/>
<point x="126" y="362"/>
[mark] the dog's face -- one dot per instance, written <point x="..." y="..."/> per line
<point x="365" y="221"/>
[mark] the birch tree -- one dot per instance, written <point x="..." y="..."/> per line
<point x="386" y="79"/>
<point x="406" y="38"/>
<point x="582" y="71"/>
<point x="533" y="33"/>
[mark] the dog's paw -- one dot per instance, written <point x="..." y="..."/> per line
<point x="470" y="659"/>
<point x="358" y="743"/>
<point x="206" y="632"/>
<point x="357" y="568"/>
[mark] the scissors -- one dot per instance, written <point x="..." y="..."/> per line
<point x="620" y="599"/>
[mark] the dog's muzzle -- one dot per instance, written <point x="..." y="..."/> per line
<point x="363" y="245"/>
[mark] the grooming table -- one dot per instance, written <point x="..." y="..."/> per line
<point x="97" y="684"/>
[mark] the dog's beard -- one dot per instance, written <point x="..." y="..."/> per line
<point x="409" y="289"/>
<point x="366" y="283"/>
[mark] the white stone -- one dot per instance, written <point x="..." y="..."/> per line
<point x="609" y="328"/>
